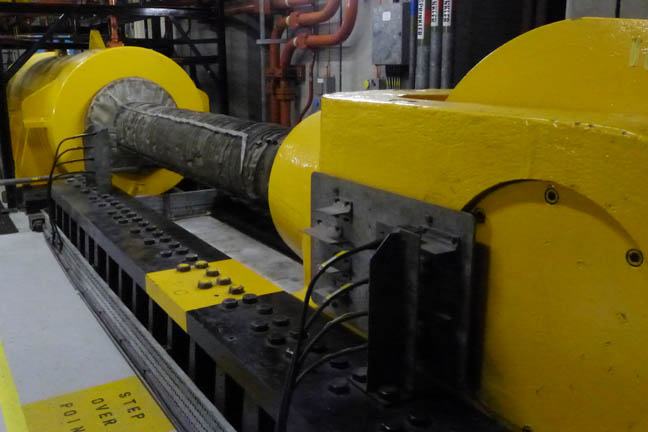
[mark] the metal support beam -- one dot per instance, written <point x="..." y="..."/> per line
<point x="25" y="56"/>
<point x="106" y="10"/>
<point x="6" y="150"/>
<point x="184" y="36"/>
<point x="222" y="62"/>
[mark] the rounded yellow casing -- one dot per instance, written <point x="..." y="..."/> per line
<point x="560" y="109"/>
<point x="49" y="97"/>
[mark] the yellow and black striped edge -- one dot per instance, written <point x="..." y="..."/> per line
<point x="177" y="292"/>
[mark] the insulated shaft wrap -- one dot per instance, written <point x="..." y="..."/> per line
<point x="226" y="152"/>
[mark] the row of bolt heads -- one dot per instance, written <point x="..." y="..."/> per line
<point x="206" y="284"/>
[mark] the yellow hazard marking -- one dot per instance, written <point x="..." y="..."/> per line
<point x="177" y="292"/>
<point x="124" y="405"/>
<point x="10" y="411"/>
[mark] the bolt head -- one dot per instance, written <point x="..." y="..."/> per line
<point x="166" y="253"/>
<point x="391" y="426"/>
<point x="205" y="284"/>
<point x="135" y="230"/>
<point x="264" y="309"/>
<point x="182" y="251"/>
<point x="149" y="241"/>
<point x="281" y="320"/>
<point x="276" y="338"/>
<point x="150" y="228"/>
<point x="174" y="245"/>
<point x="359" y="374"/>
<point x="339" y="386"/>
<point x="259" y="326"/>
<point x="388" y="393"/>
<point x="183" y="268"/>
<point x="157" y="233"/>
<point x="250" y="298"/>
<point x="191" y="258"/>
<point x="230" y="303"/>
<point x="224" y="281"/>
<point x="236" y="290"/>
<point x="200" y="264"/>
<point x="339" y="363"/>
<point x="212" y="272"/>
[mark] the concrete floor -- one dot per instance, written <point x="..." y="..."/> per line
<point x="273" y="265"/>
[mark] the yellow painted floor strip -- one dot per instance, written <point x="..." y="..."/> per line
<point x="124" y="405"/>
<point x="12" y="413"/>
<point x="177" y="292"/>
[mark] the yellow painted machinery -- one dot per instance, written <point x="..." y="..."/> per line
<point x="544" y="141"/>
<point x="527" y="175"/>
<point x="50" y="96"/>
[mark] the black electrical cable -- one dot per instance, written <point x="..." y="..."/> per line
<point x="328" y="357"/>
<point x="334" y="295"/>
<point x="282" y="417"/>
<point x="55" y="238"/>
<point x="71" y="174"/>
<point x="50" y="179"/>
<point x="327" y="327"/>
<point x="73" y="161"/>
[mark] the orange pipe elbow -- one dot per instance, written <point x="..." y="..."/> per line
<point x="306" y="19"/>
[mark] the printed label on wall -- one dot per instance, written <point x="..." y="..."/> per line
<point x="420" y="32"/>
<point x="386" y="16"/>
<point x="434" y="13"/>
<point x="447" y="13"/>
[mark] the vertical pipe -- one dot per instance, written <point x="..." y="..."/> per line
<point x="423" y="45"/>
<point x="262" y="56"/>
<point x="340" y="51"/>
<point x="222" y="60"/>
<point x="447" y="41"/>
<point x="435" y="44"/>
<point x="412" y="44"/>
<point x="8" y="168"/>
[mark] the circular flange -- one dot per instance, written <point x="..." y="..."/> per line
<point x="107" y="102"/>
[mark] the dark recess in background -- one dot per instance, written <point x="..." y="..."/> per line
<point x="484" y="25"/>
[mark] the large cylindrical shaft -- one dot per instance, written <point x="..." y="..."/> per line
<point x="228" y="153"/>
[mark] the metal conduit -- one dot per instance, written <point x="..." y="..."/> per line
<point x="229" y="153"/>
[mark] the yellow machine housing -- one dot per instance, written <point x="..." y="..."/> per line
<point x="49" y="97"/>
<point x="546" y="141"/>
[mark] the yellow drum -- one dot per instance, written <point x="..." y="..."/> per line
<point x="49" y="99"/>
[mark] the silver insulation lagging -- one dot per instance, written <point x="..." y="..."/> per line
<point x="228" y="153"/>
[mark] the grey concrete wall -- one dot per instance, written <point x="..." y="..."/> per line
<point x="607" y="8"/>
<point x="595" y="8"/>
<point x="634" y="9"/>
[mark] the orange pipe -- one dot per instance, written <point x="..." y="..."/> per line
<point x="306" y="40"/>
<point x="273" y="5"/>
<point x="274" y="61"/>
<point x="277" y="31"/>
<point x="318" y="41"/>
<point x="285" y="113"/>
<point x="306" y="19"/>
